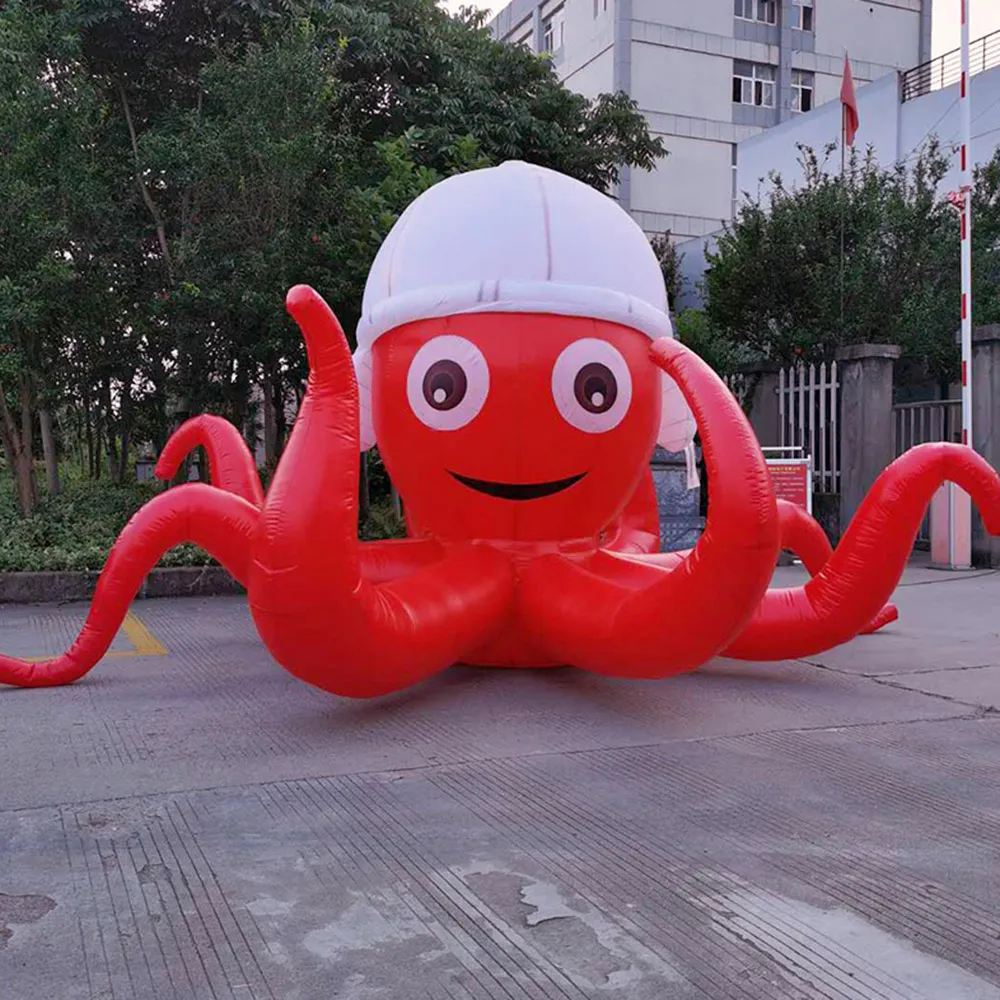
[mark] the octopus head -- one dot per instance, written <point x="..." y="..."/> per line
<point x="503" y="359"/>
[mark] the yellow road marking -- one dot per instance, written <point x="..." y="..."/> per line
<point x="144" y="643"/>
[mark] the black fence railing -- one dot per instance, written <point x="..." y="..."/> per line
<point x="984" y="54"/>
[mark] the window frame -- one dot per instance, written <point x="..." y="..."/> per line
<point x="801" y="6"/>
<point x="762" y="80"/>
<point x="770" y="7"/>
<point x="803" y="80"/>
<point x="556" y="21"/>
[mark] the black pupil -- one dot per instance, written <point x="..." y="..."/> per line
<point x="445" y="385"/>
<point x="595" y="388"/>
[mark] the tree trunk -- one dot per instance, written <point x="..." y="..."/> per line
<point x="126" y="427"/>
<point x="88" y="431"/>
<point x="17" y="445"/>
<point x="112" y="437"/>
<point x="364" y="496"/>
<point x="49" y="450"/>
<point x="280" y="424"/>
<point x="98" y="446"/>
<point x="270" y="423"/>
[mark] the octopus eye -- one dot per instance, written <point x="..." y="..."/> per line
<point x="447" y="383"/>
<point x="595" y="387"/>
<point x="592" y="386"/>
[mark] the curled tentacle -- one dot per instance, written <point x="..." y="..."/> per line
<point x="628" y="622"/>
<point x="802" y="535"/>
<point x="861" y="574"/>
<point x="315" y="607"/>
<point x="220" y="523"/>
<point x="231" y="466"/>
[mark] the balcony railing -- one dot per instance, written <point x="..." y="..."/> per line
<point x="984" y="54"/>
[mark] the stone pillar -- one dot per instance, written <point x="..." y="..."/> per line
<point x="866" y="441"/>
<point x="986" y="426"/>
<point x="764" y="404"/>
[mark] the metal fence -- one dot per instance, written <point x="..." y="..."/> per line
<point x="808" y="418"/>
<point x="947" y="69"/>
<point x="922" y="423"/>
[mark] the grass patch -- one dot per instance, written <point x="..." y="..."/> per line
<point x="75" y="530"/>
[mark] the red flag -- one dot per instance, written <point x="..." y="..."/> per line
<point x="849" y="100"/>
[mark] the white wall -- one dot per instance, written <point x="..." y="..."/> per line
<point x="593" y="77"/>
<point x="870" y="30"/>
<point x="895" y="131"/>
<point x="775" y="149"/>
<point x="586" y="61"/>
<point x="682" y="82"/>
<point x="938" y="113"/>
<point x="694" y="180"/>
<point x="713" y="16"/>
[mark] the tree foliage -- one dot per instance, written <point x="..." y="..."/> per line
<point x="776" y="283"/>
<point x="169" y="169"/>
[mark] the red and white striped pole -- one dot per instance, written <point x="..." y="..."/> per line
<point x="951" y="509"/>
<point x="966" y="115"/>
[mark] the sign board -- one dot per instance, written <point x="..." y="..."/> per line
<point x="792" y="480"/>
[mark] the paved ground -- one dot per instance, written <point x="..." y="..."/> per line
<point x="193" y="823"/>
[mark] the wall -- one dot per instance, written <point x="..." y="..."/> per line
<point x="714" y="16"/>
<point x="776" y="149"/>
<point x="675" y="58"/>
<point x="870" y="30"/>
<point x="895" y="131"/>
<point x="694" y="182"/>
<point x="682" y="82"/>
<point x="693" y="266"/>
<point x="938" y="113"/>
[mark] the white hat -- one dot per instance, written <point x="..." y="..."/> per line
<point x="517" y="238"/>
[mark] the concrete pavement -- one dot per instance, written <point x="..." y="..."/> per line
<point x="191" y="822"/>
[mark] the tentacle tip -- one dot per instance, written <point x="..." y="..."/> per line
<point x="164" y="470"/>
<point x="300" y="297"/>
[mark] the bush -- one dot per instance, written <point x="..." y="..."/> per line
<point x="75" y="530"/>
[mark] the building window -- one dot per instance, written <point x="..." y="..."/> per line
<point x="553" y="31"/>
<point x="803" y="85"/>
<point x="765" y="11"/>
<point x="600" y="7"/>
<point x="753" y="83"/>
<point x="803" y="17"/>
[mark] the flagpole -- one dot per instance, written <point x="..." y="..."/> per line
<point x="843" y="209"/>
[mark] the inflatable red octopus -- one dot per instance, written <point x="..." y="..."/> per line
<point x="516" y="366"/>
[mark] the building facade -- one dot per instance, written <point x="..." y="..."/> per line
<point x="900" y="114"/>
<point x="709" y="74"/>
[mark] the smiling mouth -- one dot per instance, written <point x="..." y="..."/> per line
<point x="518" y="491"/>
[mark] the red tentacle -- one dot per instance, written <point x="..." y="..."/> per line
<point x="623" y="620"/>
<point x="231" y="466"/>
<point x="849" y="592"/>
<point x="802" y="535"/>
<point x="219" y="522"/>
<point x="319" y="614"/>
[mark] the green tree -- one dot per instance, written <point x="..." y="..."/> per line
<point x="176" y="166"/>
<point x="776" y="281"/>
<point x="50" y="193"/>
